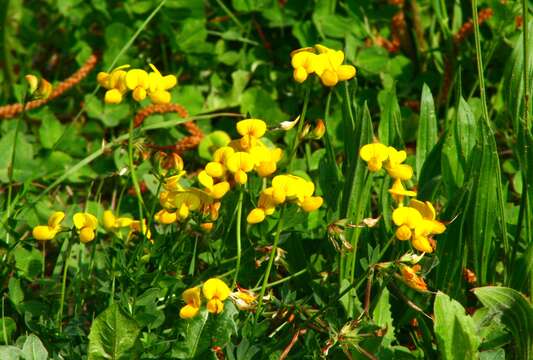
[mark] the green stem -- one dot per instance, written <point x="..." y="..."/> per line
<point x="63" y="287"/>
<point x="270" y="262"/>
<point x="134" y="179"/>
<point x="4" y="330"/>
<point x="229" y="13"/>
<point x="285" y="279"/>
<point x="301" y="123"/>
<point x="480" y="64"/>
<point x="329" y="146"/>
<point x="238" y="230"/>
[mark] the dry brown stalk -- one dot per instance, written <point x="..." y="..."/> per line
<point x="12" y="110"/>
<point x="187" y="143"/>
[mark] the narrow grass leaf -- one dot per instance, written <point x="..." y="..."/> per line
<point x="427" y="129"/>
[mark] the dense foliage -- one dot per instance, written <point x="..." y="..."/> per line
<point x="266" y="179"/>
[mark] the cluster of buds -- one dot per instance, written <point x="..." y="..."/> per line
<point x="142" y="84"/>
<point x="417" y="221"/>
<point x="326" y="63"/>
<point x="285" y="189"/>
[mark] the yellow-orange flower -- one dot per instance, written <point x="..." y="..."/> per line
<point x="411" y="278"/>
<point x="86" y="224"/>
<point x="398" y="191"/>
<point x="215" y="291"/>
<point x="112" y="223"/>
<point x="49" y="231"/>
<point x="374" y="154"/>
<point x="192" y="299"/>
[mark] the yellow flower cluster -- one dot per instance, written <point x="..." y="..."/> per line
<point x="84" y="223"/>
<point x="230" y="165"/>
<point x="141" y="84"/>
<point x="326" y="63"/>
<point x="215" y="291"/>
<point x="417" y="221"/>
<point x="285" y="188"/>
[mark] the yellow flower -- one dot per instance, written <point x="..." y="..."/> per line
<point x="38" y="88"/>
<point x="406" y="218"/>
<point x="250" y="130"/>
<point x="239" y="163"/>
<point x="312" y="203"/>
<point x="192" y="299"/>
<point x="256" y="216"/>
<point x="165" y="217"/>
<point x="86" y="224"/>
<point x="398" y="192"/>
<point x="112" y="223"/>
<point x="138" y="228"/>
<point x="327" y="65"/>
<point x="158" y="86"/>
<point x="409" y="275"/>
<point x="429" y="226"/>
<point x="265" y="159"/>
<point x="115" y="84"/>
<point x="216" y="191"/>
<point x="49" y="231"/>
<point x="394" y="165"/>
<point x="374" y="154"/>
<point x="190" y="200"/>
<point x="215" y="291"/>
<point x="137" y="80"/>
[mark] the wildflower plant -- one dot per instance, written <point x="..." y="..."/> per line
<point x="328" y="180"/>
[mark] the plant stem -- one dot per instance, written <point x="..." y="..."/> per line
<point x="238" y="235"/>
<point x="229" y="13"/>
<point x="134" y="180"/>
<point x="301" y="123"/>
<point x="4" y="330"/>
<point x="63" y="287"/>
<point x="285" y="279"/>
<point x="270" y="262"/>
<point x="329" y="146"/>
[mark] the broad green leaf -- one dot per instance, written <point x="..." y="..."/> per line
<point x="7" y="327"/>
<point x="427" y="129"/>
<point x="33" y="349"/>
<point x="191" y="38"/>
<point x="252" y="5"/>
<point x="259" y="104"/>
<point x="455" y="331"/>
<point x="24" y="164"/>
<point x="205" y="330"/>
<point x="50" y="131"/>
<point x="28" y="262"/>
<point x="109" y="115"/>
<point x="517" y="315"/>
<point x="114" y="335"/>
<point x="382" y="316"/>
<point x="10" y="353"/>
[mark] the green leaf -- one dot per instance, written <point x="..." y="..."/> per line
<point x="201" y="333"/>
<point x="24" y="165"/>
<point x="33" y="349"/>
<point x="252" y="5"/>
<point x="258" y="103"/>
<point x="114" y="335"/>
<point x="513" y="80"/>
<point x="50" y="131"/>
<point x="516" y="312"/>
<point x="109" y="115"/>
<point x="192" y="36"/>
<point x="389" y="129"/>
<point x="10" y="326"/>
<point x="458" y="144"/>
<point x="28" y="262"/>
<point x="382" y="316"/>
<point x="10" y="353"/>
<point x="427" y="129"/>
<point x="455" y="331"/>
